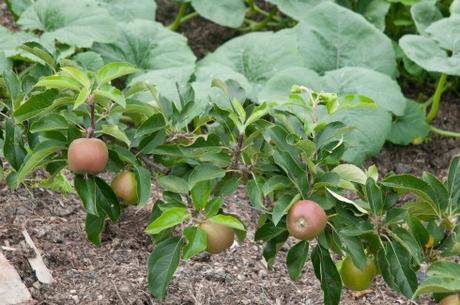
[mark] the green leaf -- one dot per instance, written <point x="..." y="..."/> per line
<point x="254" y="192"/>
<point x="350" y="172"/>
<point x="13" y="147"/>
<point x="112" y="94"/>
<point x="162" y="264"/>
<point x="213" y="206"/>
<point x="326" y="272"/>
<point x="107" y="200"/>
<point x="250" y="59"/>
<point x="10" y="41"/>
<point x="374" y="11"/>
<point x="453" y="181"/>
<point x="144" y="184"/>
<point x="35" y="105"/>
<point x="294" y="169"/>
<point x="153" y="124"/>
<point x="273" y="246"/>
<point x="394" y="263"/>
<point x="94" y="225"/>
<point x="58" y="82"/>
<point x="197" y="241"/>
<point x="424" y="14"/>
<point x="229" y="221"/>
<point x="442" y="277"/>
<point x="327" y="43"/>
<point x="275" y="183"/>
<point x="74" y="23"/>
<point x="82" y="97"/>
<point x="77" y="75"/>
<point x="297" y="9"/>
<point x="35" y="158"/>
<point x="138" y="45"/>
<point x="408" y="242"/>
<point x="114" y="70"/>
<point x="411" y="125"/>
<point x="281" y="207"/>
<point x="438" y="51"/>
<point x="17" y="7"/>
<point x="269" y="231"/>
<point x="224" y="12"/>
<point x="116" y="132"/>
<point x="369" y="128"/>
<point x="86" y="190"/>
<point x="200" y="194"/>
<point x="89" y="60"/>
<point x="52" y="121"/>
<point x="169" y="218"/>
<point x="408" y="183"/>
<point x="374" y="196"/>
<point x="296" y="258"/>
<point x="205" y="172"/>
<point x="440" y="192"/>
<point x="126" y="11"/>
<point x="174" y="184"/>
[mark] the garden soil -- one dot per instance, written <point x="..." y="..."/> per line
<point x="115" y="273"/>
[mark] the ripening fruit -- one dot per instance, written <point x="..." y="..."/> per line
<point x="451" y="300"/>
<point x="306" y="220"/>
<point x="220" y="237"/>
<point x="355" y="278"/>
<point x="124" y="185"/>
<point x="87" y="156"/>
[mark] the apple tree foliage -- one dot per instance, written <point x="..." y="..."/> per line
<point x="287" y="115"/>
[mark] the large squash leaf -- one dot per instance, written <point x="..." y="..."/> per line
<point x="332" y="37"/>
<point x="78" y="23"/>
<point x="224" y="12"/>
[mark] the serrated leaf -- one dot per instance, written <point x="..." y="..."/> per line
<point x="205" y="172"/>
<point x="144" y="184"/>
<point x="169" y="218"/>
<point x="112" y="94"/>
<point x="174" y="184"/>
<point x="114" y="70"/>
<point x="162" y="264"/>
<point x="296" y="258"/>
<point x="326" y="272"/>
<point x="117" y="133"/>
<point x="197" y="241"/>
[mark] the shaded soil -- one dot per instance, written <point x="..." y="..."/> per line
<point x="115" y="273"/>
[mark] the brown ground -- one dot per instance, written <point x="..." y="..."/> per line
<point x="115" y="273"/>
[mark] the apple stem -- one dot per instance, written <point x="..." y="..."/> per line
<point x="90" y="130"/>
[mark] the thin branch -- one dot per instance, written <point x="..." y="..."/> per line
<point x="154" y="166"/>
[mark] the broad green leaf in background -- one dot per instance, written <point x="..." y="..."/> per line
<point x="370" y="126"/>
<point x="332" y="37"/>
<point x="16" y="7"/>
<point x="224" y="12"/>
<point x="455" y="7"/>
<point x="411" y="125"/>
<point x="255" y="57"/>
<point x="35" y="105"/>
<point x="374" y="11"/>
<point x="297" y="9"/>
<point x="89" y="60"/>
<point x="125" y="11"/>
<point x="167" y="81"/>
<point x="148" y="46"/>
<point x="383" y="90"/>
<point x="278" y="87"/>
<point x="424" y="14"/>
<point x="162" y="264"/>
<point x="77" y="23"/>
<point x="169" y="218"/>
<point x="438" y="51"/>
<point x="9" y="41"/>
